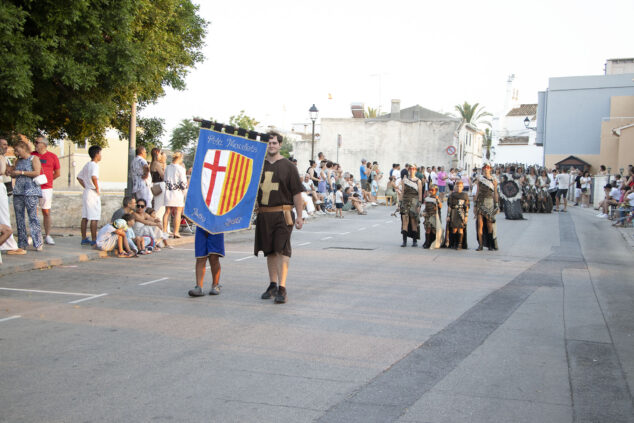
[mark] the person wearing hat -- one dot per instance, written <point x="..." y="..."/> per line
<point x="486" y="207"/>
<point x="50" y="168"/>
<point x="411" y="196"/>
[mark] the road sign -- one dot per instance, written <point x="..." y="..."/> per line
<point x="451" y="150"/>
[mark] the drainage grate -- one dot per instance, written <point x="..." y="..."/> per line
<point x="349" y="248"/>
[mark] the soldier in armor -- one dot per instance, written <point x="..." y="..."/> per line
<point x="431" y="212"/>
<point x="457" y="216"/>
<point x="411" y="195"/>
<point x="486" y="207"/>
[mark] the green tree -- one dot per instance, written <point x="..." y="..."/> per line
<point x="72" y="68"/>
<point x="241" y="120"/>
<point x="488" y="140"/>
<point x="473" y="114"/>
<point x="183" y="139"/>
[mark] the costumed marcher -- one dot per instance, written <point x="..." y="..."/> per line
<point x="486" y="207"/>
<point x="544" y="201"/>
<point x="511" y="194"/>
<point x="411" y="196"/>
<point x="433" y="225"/>
<point x="457" y="216"/>
<point x="280" y="189"/>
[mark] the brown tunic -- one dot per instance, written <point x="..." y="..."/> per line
<point x="280" y="182"/>
<point x="458" y="204"/>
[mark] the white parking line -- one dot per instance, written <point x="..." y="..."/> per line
<point x="154" y="281"/>
<point x="344" y="233"/>
<point x="6" y="319"/>
<point x="375" y="225"/>
<point x="302" y="244"/>
<point x="244" y="258"/>
<point x="361" y="229"/>
<point x="388" y="221"/>
<point x="325" y="238"/>
<point x="87" y="299"/>
<point x="79" y="294"/>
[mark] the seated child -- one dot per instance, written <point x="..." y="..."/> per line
<point x="113" y="235"/>
<point x="141" y="244"/>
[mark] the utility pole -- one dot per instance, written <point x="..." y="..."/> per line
<point x="132" y="147"/>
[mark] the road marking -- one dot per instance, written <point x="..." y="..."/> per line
<point x="6" y="319"/>
<point x="388" y="221"/>
<point x="238" y="252"/>
<point x="154" y="281"/>
<point x="87" y="299"/>
<point x="79" y="294"/>
<point x="244" y="258"/>
<point x="302" y="244"/>
<point x="375" y="225"/>
<point x="323" y="233"/>
<point x="328" y="237"/>
<point x="361" y="229"/>
<point x="344" y="233"/>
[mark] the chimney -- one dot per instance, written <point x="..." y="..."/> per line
<point x="357" y="110"/>
<point x="396" y="110"/>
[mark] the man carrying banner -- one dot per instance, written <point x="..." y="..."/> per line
<point x="280" y="189"/>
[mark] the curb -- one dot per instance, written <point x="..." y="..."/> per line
<point x="70" y="258"/>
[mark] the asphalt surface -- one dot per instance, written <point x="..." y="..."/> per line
<point x="540" y="331"/>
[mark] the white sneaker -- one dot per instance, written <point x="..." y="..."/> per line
<point x="374" y="204"/>
<point x="49" y="240"/>
<point x="602" y="215"/>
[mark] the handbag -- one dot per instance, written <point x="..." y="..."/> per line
<point x="40" y="179"/>
<point x="156" y="189"/>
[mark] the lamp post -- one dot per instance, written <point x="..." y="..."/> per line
<point x="314" y="113"/>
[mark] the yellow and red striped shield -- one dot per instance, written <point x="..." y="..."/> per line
<point x="224" y="180"/>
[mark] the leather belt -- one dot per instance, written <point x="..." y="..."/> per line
<point x="285" y="208"/>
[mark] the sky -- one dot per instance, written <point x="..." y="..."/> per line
<point x="274" y="59"/>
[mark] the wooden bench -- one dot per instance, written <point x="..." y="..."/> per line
<point x="387" y="198"/>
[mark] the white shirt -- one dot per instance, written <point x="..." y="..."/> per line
<point x="615" y="194"/>
<point x="630" y="197"/>
<point x="89" y="170"/>
<point x="585" y="182"/>
<point x="339" y="197"/>
<point x="104" y="234"/>
<point x="553" y="182"/>
<point x="563" y="180"/>
<point x="308" y="186"/>
<point x="434" y="178"/>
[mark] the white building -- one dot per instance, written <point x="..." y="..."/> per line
<point x="412" y="135"/>
<point x="470" y="149"/>
<point x="513" y="142"/>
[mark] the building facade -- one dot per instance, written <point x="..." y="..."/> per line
<point x="412" y="135"/>
<point x="513" y="141"/>
<point x="576" y="116"/>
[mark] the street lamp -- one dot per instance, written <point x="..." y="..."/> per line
<point x="314" y="113"/>
<point x="527" y="122"/>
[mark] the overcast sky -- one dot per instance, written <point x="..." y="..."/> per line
<point x="275" y="58"/>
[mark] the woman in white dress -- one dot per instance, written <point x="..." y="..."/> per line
<point x="10" y="246"/>
<point x="175" y="187"/>
<point x="157" y="171"/>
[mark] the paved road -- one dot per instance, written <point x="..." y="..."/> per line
<point x="540" y="331"/>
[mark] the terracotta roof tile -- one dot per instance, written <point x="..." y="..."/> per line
<point x="524" y="110"/>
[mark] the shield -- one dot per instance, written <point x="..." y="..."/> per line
<point x="224" y="180"/>
<point x="510" y="190"/>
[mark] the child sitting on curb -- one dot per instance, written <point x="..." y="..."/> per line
<point x="114" y="235"/>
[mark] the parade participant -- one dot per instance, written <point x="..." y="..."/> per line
<point x="457" y="216"/>
<point x="431" y="212"/>
<point x="411" y="199"/>
<point x="511" y="194"/>
<point x="486" y="207"/>
<point x="208" y="247"/>
<point x="280" y="189"/>
<point x="544" y="201"/>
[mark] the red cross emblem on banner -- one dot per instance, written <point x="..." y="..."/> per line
<point x="224" y="180"/>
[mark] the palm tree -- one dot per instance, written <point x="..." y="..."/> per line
<point x="371" y="113"/>
<point x="488" y="140"/>
<point x="473" y="114"/>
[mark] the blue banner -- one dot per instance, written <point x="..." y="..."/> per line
<point x="224" y="181"/>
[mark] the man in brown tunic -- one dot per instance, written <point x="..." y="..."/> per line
<point x="280" y="190"/>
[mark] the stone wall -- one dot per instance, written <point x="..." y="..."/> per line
<point x="66" y="208"/>
<point x="385" y="141"/>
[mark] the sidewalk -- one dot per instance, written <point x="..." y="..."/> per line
<point x="626" y="233"/>
<point x="66" y="251"/>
